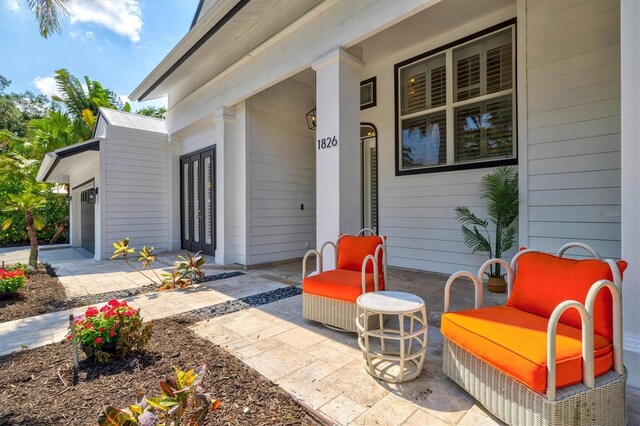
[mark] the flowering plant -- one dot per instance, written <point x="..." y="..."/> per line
<point x="114" y="329"/>
<point x="12" y="280"/>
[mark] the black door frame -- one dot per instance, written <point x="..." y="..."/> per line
<point x="187" y="242"/>
<point x="375" y="129"/>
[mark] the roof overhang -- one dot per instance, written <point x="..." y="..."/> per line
<point x="63" y="158"/>
<point x="226" y="33"/>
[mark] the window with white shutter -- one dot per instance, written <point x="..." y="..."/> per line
<point x="456" y="105"/>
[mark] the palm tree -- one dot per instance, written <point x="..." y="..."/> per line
<point x="500" y="189"/>
<point x="49" y="14"/>
<point x="83" y="103"/>
<point x="27" y="203"/>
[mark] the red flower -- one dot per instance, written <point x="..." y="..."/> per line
<point x="130" y="313"/>
<point x="98" y="340"/>
<point x="112" y="333"/>
<point x="91" y="312"/>
<point x="68" y="337"/>
<point x="101" y="329"/>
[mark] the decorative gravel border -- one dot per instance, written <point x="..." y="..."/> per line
<point x="94" y="299"/>
<point x="232" y="306"/>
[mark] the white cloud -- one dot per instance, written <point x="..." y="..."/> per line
<point x="122" y="17"/>
<point x="46" y="85"/>
<point x="13" y="5"/>
<point x="87" y="35"/>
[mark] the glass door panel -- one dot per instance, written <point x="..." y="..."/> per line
<point x="196" y="201"/>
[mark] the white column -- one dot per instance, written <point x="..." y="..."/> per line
<point x="223" y="121"/>
<point x="338" y="175"/>
<point x="630" y="89"/>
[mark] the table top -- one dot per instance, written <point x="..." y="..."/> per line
<point x="390" y="302"/>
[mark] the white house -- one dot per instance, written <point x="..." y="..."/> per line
<point x="117" y="181"/>
<point x="414" y="101"/>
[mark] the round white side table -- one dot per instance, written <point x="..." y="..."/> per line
<point x="393" y="353"/>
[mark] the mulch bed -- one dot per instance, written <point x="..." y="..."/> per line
<point x="36" y="385"/>
<point x="43" y="294"/>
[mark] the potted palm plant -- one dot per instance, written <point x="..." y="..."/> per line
<point x="500" y="189"/>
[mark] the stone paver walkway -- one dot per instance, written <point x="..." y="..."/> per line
<point x="324" y="368"/>
<point x="44" y="329"/>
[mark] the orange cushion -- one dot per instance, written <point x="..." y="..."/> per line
<point x="339" y="284"/>
<point x="515" y="342"/>
<point x="352" y="251"/>
<point x="543" y="281"/>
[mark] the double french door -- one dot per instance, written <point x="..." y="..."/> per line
<point x="197" y="186"/>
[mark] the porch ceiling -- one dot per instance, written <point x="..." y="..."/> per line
<point x="198" y="59"/>
<point x="58" y="165"/>
<point x="430" y="24"/>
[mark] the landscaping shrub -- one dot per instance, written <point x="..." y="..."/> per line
<point x="12" y="280"/>
<point x="53" y="213"/>
<point x="183" y="401"/>
<point x="115" y="330"/>
<point x="186" y="271"/>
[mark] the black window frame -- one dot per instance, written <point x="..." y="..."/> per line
<point x="465" y="165"/>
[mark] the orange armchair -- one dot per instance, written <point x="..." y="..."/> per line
<point x="554" y="352"/>
<point x="330" y="296"/>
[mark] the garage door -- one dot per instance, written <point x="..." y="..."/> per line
<point x="87" y="222"/>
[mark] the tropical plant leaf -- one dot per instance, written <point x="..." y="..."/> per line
<point x="49" y="14"/>
<point x="465" y="217"/>
<point x="7" y="223"/>
<point x="112" y="416"/>
<point x="475" y="240"/>
<point x="508" y="238"/>
<point x="38" y="222"/>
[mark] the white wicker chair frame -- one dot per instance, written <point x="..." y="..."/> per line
<point x="338" y="314"/>
<point x="525" y="406"/>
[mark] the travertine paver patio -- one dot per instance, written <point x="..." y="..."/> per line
<point x="324" y="368"/>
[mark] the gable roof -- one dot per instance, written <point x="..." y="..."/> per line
<point x="131" y="120"/>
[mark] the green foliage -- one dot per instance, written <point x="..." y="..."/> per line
<point x="183" y="400"/>
<point x="12" y="280"/>
<point x="49" y="14"/>
<point x="77" y="101"/>
<point x="17" y="109"/>
<point x="152" y="111"/>
<point x="115" y="330"/>
<point x="500" y="189"/>
<point x="186" y="271"/>
<point x="190" y="267"/>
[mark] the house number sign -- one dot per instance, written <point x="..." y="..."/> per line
<point x="329" y="142"/>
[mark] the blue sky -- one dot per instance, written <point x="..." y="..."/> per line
<point x="116" y="42"/>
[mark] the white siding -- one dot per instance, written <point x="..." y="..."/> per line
<point x="416" y="212"/>
<point x="573" y="130"/>
<point x="198" y="139"/>
<point x="135" y="188"/>
<point x="282" y="173"/>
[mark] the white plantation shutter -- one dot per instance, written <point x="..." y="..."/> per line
<point x="467" y="77"/>
<point x="482" y="107"/>
<point x="438" y="86"/>
<point x="499" y="69"/>
<point x="417" y="93"/>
